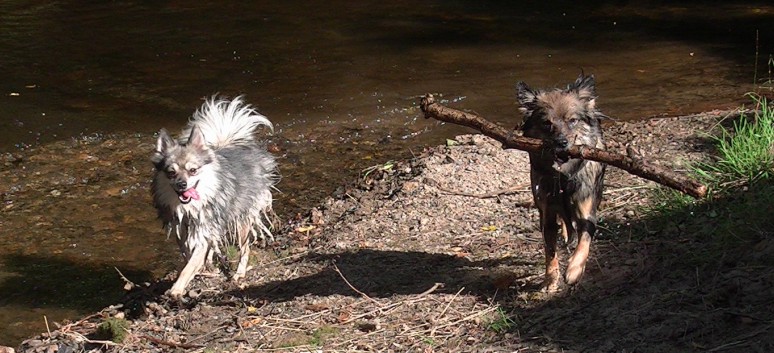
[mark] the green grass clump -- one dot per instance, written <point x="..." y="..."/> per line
<point x="113" y="329"/>
<point x="746" y="153"/>
<point x="502" y="323"/>
<point x="741" y="181"/>
<point x="231" y="252"/>
<point x="319" y="335"/>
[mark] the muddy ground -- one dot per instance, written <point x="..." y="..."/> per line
<point x="401" y="260"/>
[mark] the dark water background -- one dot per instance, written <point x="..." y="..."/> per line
<point x="339" y="75"/>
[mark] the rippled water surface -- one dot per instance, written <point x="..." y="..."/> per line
<point x="86" y="80"/>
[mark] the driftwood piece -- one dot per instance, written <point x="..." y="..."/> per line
<point x="632" y="164"/>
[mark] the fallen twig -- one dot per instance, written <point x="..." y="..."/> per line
<point x="741" y="339"/>
<point x="396" y="304"/>
<point x="336" y="268"/>
<point x="449" y="304"/>
<point x="632" y="164"/>
<point x="505" y="191"/>
<point x="128" y="285"/>
<point x="80" y="337"/>
<point x="466" y="318"/>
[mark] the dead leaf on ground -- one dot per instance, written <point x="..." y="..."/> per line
<point x="251" y="322"/>
<point x="504" y="281"/>
<point x="305" y="229"/>
<point x="317" y="307"/>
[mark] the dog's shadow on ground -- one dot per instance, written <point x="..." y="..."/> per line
<point x="382" y="274"/>
<point x="668" y="291"/>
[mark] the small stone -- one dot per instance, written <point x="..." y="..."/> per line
<point x="410" y="186"/>
<point x="317" y="217"/>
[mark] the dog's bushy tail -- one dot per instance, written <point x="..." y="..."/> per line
<point x="226" y="122"/>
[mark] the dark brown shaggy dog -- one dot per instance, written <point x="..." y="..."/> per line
<point x="567" y="191"/>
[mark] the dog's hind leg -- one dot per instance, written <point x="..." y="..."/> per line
<point x="243" y="241"/>
<point x="586" y="220"/>
<point x="192" y="267"/>
<point x="567" y="228"/>
<point x="550" y="228"/>
<point x="211" y="267"/>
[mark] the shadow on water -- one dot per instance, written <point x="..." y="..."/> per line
<point x="58" y="288"/>
<point x="726" y="27"/>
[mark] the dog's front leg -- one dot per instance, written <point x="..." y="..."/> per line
<point x="586" y="219"/>
<point x="192" y="267"/>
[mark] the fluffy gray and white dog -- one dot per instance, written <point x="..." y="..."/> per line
<point x="212" y="187"/>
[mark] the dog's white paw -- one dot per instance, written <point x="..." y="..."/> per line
<point x="176" y="294"/>
<point x="239" y="275"/>
<point x="574" y="273"/>
<point x="551" y="279"/>
<point x="550" y="285"/>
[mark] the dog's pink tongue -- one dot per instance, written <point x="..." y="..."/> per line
<point x="191" y="193"/>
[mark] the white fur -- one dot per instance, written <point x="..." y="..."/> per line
<point x="225" y="122"/>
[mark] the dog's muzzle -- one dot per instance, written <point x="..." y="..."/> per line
<point x="561" y="156"/>
<point x="187" y="195"/>
<point x="561" y="148"/>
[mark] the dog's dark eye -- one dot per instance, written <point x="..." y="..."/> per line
<point x="192" y="171"/>
<point x="573" y="121"/>
<point x="171" y="174"/>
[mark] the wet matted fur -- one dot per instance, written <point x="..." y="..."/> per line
<point x="567" y="191"/>
<point x="212" y="187"/>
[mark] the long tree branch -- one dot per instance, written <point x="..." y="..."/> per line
<point x="636" y="166"/>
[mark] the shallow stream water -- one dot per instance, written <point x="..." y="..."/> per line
<point x="86" y="84"/>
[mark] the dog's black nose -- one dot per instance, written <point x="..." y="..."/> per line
<point x="181" y="184"/>
<point x="561" y="142"/>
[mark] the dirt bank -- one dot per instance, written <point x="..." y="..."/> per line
<point x="403" y="260"/>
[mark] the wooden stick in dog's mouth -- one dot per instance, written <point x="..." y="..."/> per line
<point x="632" y="164"/>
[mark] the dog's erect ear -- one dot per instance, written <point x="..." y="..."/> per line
<point x="165" y="142"/>
<point x="196" y="139"/>
<point x="525" y="95"/>
<point x="163" y="145"/>
<point x="586" y="88"/>
<point x="527" y="104"/>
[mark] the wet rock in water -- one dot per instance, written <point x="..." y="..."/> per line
<point x="11" y="159"/>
